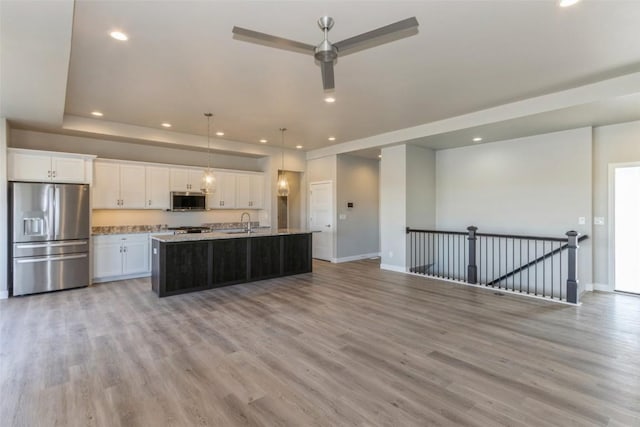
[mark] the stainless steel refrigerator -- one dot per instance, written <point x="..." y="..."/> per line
<point x="49" y="229"/>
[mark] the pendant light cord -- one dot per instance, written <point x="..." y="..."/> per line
<point x="208" y="116"/>
<point x="282" y="130"/>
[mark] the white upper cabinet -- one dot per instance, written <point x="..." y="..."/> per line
<point x="45" y="166"/>
<point x="249" y="191"/>
<point x="157" y="188"/>
<point x="186" y="180"/>
<point x="118" y="186"/>
<point x="225" y="195"/>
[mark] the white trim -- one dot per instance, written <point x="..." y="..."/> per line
<point x="602" y="287"/>
<point x="611" y="229"/>
<point x="117" y="278"/>
<point x="390" y="267"/>
<point x="587" y="287"/>
<point x="4" y="294"/>
<point x="356" y="257"/>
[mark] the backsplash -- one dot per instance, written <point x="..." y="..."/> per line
<point x="114" y="217"/>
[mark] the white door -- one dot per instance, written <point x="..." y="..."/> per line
<point x="243" y="191"/>
<point x="107" y="256"/>
<point x="626" y="228"/>
<point x="321" y="219"/>
<point x="28" y="167"/>
<point x="257" y="191"/>
<point x="179" y="179"/>
<point x="157" y="188"/>
<point x="136" y="254"/>
<point x="194" y="180"/>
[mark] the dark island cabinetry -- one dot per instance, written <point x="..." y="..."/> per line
<point x="188" y="266"/>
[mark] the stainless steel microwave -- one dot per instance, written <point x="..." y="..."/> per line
<point x="182" y="202"/>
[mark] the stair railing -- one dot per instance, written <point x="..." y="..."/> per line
<point x="545" y="267"/>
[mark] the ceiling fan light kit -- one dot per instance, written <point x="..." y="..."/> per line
<point x="326" y="53"/>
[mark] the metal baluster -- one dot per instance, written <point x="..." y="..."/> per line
<point x="552" y="270"/>
<point x="560" y="293"/>
<point x="528" y="260"/>
<point x="513" y="264"/>
<point x="544" y="269"/>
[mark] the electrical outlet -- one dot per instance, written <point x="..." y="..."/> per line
<point x="582" y="220"/>
<point x="343" y="216"/>
<point x="598" y="220"/>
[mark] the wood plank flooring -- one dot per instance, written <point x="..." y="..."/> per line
<point x="346" y="345"/>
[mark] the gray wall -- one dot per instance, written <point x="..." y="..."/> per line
<point x="421" y="187"/>
<point x="127" y="150"/>
<point x="357" y="182"/>
<point x="393" y="208"/>
<point x="4" y="238"/>
<point x="612" y="144"/>
<point x="539" y="185"/>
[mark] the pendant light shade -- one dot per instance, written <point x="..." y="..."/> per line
<point x="208" y="180"/>
<point x="283" y="184"/>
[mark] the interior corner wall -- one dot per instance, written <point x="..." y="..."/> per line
<point x="538" y="185"/>
<point x="393" y="208"/>
<point x="4" y="232"/>
<point x="611" y="144"/>
<point x="421" y="187"/>
<point x="358" y="227"/>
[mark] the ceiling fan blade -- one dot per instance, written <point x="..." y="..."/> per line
<point x="360" y="40"/>
<point x="327" y="75"/>
<point x="273" y="41"/>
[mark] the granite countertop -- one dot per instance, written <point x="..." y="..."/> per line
<point x="164" y="228"/>
<point x="218" y="235"/>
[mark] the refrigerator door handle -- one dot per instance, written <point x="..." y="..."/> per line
<point x="51" y="245"/>
<point x="49" y="258"/>
<point x="56" y="211"/>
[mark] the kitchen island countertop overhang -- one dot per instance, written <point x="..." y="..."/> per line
<point x="193" y="262"/>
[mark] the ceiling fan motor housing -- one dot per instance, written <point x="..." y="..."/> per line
<point x="326" y="52"/>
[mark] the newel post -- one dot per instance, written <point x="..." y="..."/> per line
<point x="472" y="268"/>
<point x="572" y="275"/>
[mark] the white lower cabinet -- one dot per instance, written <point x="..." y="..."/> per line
<point x="119" y="256"/>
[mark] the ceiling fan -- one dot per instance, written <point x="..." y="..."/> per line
<point x="326" y="52"/>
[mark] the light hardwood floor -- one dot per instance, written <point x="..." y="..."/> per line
<point x="348" y="344"/>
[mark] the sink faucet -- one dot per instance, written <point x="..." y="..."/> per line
<point x="248" y="227"/>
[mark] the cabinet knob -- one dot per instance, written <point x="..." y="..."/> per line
<point x="149" y="202"/>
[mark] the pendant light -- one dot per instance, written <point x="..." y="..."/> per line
<point x="208" y="181"/>
<point x="283" y="184"/>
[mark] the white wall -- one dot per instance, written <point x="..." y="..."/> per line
<point x="4" y="237"/>
<point x="538" y="185"/>
<point x="358" y="227"/>
<point x="421" y="187"/>
<point x="612" y="144"/>
<point x="393" y="207"/>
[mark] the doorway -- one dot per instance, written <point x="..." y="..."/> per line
<point x="321" y="219"/>
<point x="626" y="227"/>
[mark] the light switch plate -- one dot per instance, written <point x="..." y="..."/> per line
<point x="582" y="220"/>
<point x="343" y="216"/>
<point x="598" y="220"/>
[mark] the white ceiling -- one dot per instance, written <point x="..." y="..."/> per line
<point x="181" y="60"/>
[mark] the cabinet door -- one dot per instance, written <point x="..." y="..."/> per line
<point x="157" y="188"/>
<point x="28" y="167"/>
<point x="106" y="186"/>
<point x="243" y="191"/>
<point x="132" y="186"/>
<point x="68" y="169"/>
<point x="257" y="192"/>
<point x="107" y="256"/>
<point x="225" y="195"/>
<point x="179" y="179"/>
<point x="195" y="180"/>
<point x="136" y="254"/>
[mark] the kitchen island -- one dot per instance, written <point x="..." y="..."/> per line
<point x="193" y="262"/>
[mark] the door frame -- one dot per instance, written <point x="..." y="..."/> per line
<point x="332" y="258"/>
<point x="611" y="228"/>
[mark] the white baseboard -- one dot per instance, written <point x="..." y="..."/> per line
<point x="397" y="268"/>
<point x="356" y="257"/>
<point x="116" y="278"/>
<point x="4" y="294"/>
<point x="603" y="287"/>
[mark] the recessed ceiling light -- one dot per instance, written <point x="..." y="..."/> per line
<point x="119" y="35"/>
<point x="379" y="156"/>
<point x="330" y="99"/>
<point x="477" y="139"/>
<point x="298" y="146"/>
<point x="567" y="3"/>
<point x="97" y="113"/>
<point x="166" y="125"/>
<point x="332" y="138"/>
<point x="220" y="133"/>
<point x="264" y="141"/>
